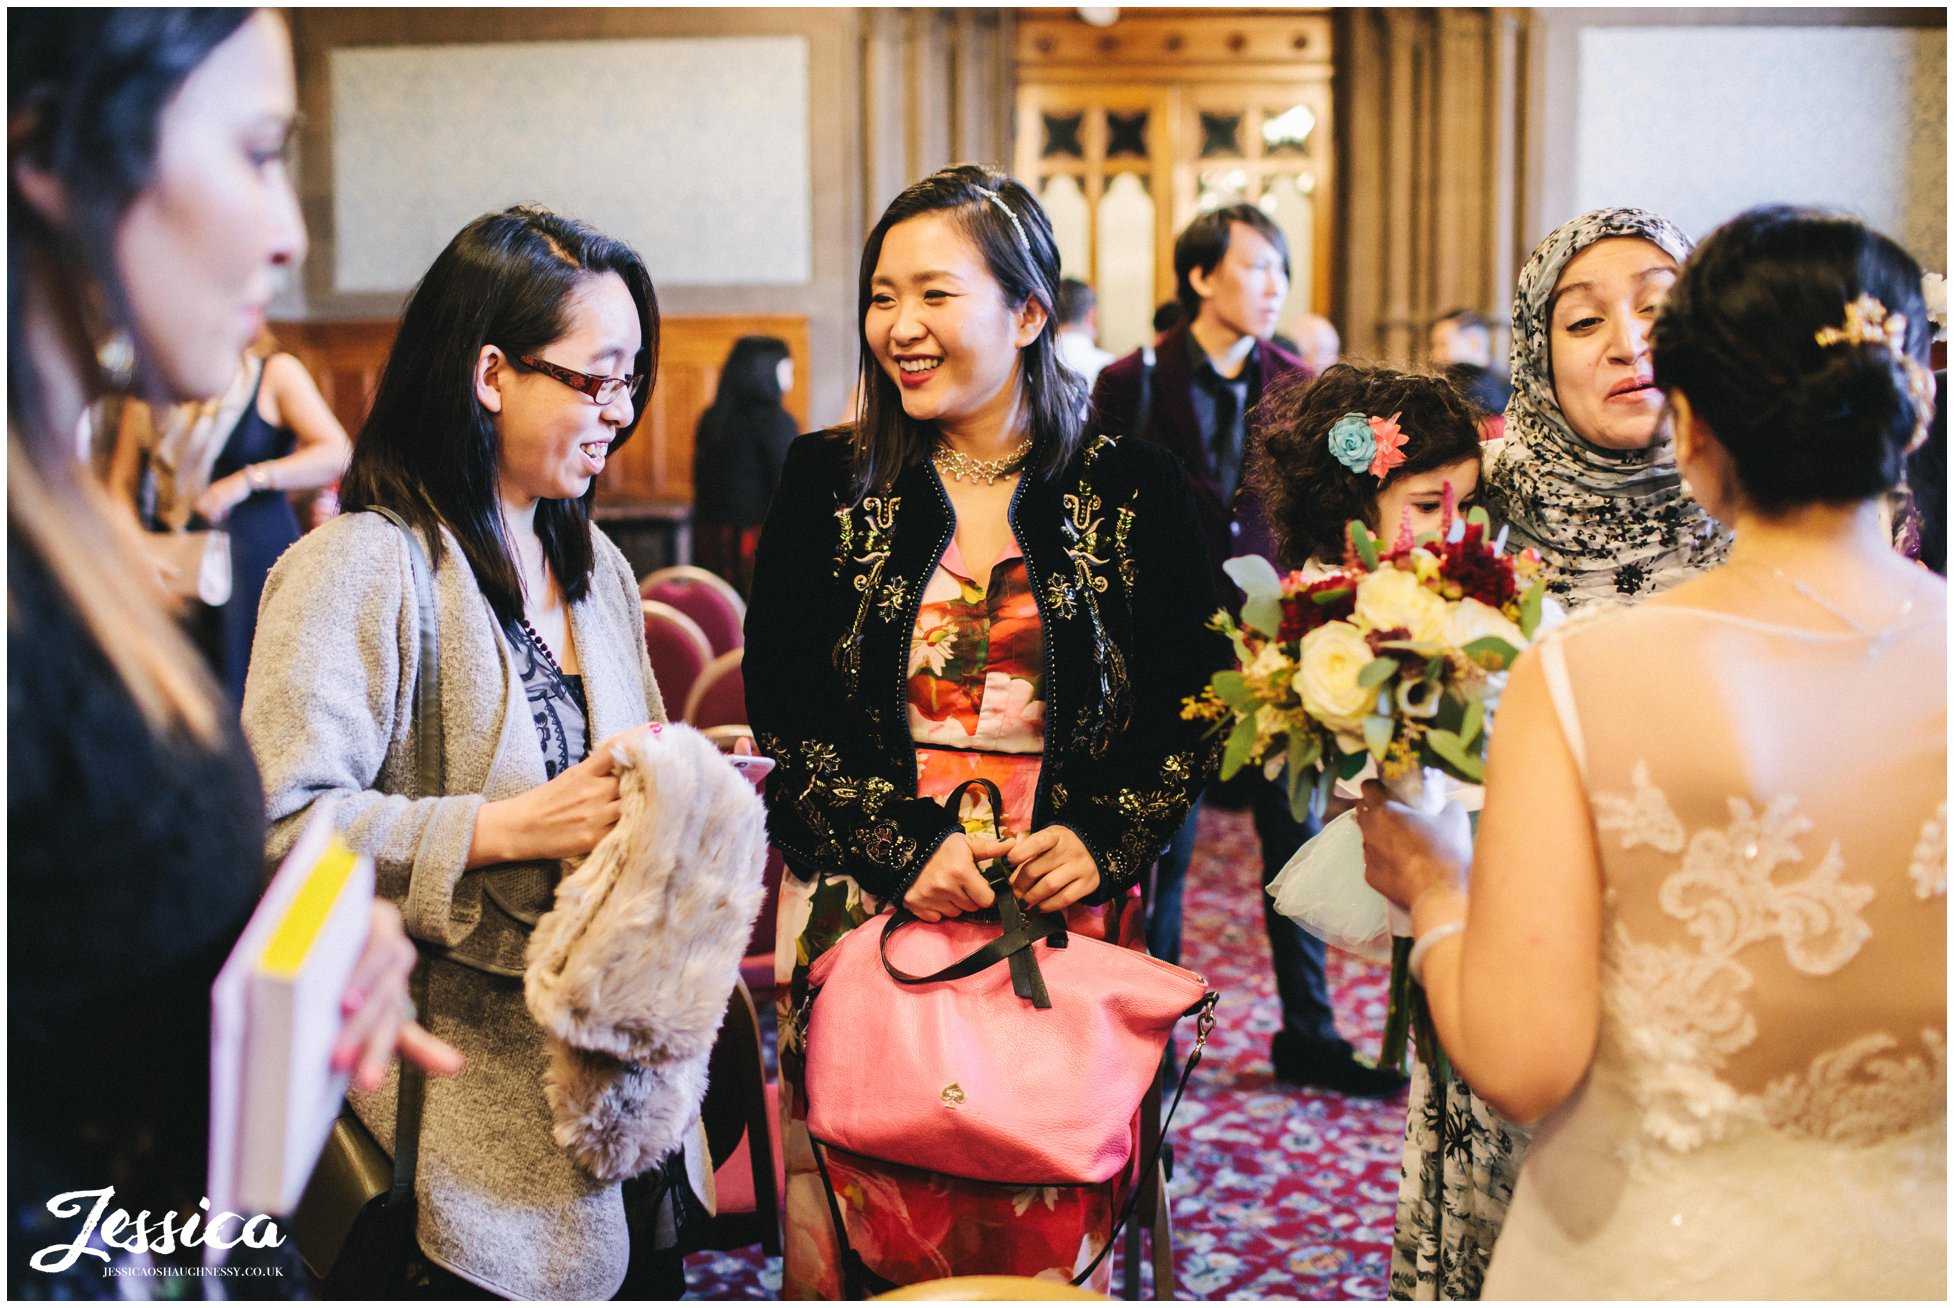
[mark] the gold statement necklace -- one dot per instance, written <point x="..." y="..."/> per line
<point x="963" y="467"/>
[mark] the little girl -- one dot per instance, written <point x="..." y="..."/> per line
<point x="1382" y="446"/>
<point x="1362" y="442"/>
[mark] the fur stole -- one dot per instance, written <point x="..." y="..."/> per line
<point x="630" y="972"/>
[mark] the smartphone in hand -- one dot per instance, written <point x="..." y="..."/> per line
<point x="751" y="766"/>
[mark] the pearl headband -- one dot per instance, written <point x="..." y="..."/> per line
<point x="998" y="200"/>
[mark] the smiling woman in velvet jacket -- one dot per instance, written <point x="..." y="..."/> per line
<point x="963" y="586"/>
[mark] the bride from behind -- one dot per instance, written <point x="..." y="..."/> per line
<point x="1705" y="940"/>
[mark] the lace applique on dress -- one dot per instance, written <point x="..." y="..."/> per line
<point x="1676" y="1014"/>
<point x="1929" y="866"/>
<point x="1643" y="819"/>
<point x="1729" y="893"/>
<point x="1863" y="1092"/>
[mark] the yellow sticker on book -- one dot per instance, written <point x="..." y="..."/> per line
<point x="286" y="952"/>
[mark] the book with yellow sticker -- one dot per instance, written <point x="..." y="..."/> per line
<point x="275" y="1016"/>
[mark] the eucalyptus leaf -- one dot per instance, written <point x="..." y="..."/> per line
<point x="1234" y="691"/>
<point x="1326" y="781"/>
<point x="1449" y="747"/>
<point x="1326" y="598"/>
<point x="1350" y="765"/>
<point x="1364" y="543"/>
<point x="1255" y="575"/>
<point x="1263" y="613"/>
<point x="1377" y="672"/>
<point x="1478" y="517"/>
<point x="1241" y="743"/>
<point x="1377" y="735"/>
<point x="1475" y="718"/>
<point x="1303" y="751"/>
<point x="1491" y="645"/>
<point x="1530" y="608"/>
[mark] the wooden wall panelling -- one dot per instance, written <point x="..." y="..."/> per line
<point x="1177" y="62"/>
<point x="346" y="359"/>
<point x="1431" y="102"/>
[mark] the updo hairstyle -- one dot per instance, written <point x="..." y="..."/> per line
<point x="1308" y="495"/>
<point x="1804" y="422"/>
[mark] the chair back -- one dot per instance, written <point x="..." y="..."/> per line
<point x="679" y="653"/>
<point x="706" y="598"/>
<point x="719" y="695"/>
<point x="742" y="1130"/>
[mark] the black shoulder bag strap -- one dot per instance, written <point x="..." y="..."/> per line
<point x="430" y="768"/>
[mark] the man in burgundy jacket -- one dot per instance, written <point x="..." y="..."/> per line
<point x="1192" y="392"/>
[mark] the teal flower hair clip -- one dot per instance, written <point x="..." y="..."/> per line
<point x="1365" y="444"/>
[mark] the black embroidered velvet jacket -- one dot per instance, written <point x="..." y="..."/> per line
<point x="1119" y="568"/>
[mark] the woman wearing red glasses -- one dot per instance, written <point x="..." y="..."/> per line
<point x="523" y="359"/>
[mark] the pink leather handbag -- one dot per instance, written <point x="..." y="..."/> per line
<point x="921" y="1051"/>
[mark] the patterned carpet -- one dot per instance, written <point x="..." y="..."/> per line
<point x="1278" y="1193"/>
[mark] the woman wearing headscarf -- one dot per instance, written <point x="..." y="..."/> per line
<point x="1587" y="476"/>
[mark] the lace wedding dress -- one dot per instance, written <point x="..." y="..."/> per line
<point x="1766" y="1113"/>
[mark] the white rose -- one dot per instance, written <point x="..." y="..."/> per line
<point x="1326" y="677"/>
<point x="1392" y="598"/>
<point x="1474" y="619"/>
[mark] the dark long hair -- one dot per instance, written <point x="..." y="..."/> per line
<point x="750" y="377"/>
<point x="85" y="95"/>
<point x="1805" y="423"/>
<point x="429" y="450"/>
<point x="887" y="439"/>
<point x="1309" y="496"/>
<point x="86" y="88"/>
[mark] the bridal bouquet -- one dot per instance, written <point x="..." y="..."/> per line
<point x="1392" y="663"/>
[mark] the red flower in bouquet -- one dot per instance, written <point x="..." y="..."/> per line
<point x="1304" y="611"/>
<point x="1478" y="568"/>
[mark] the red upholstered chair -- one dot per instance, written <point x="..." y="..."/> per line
<point x="706" y="598"/>
<point x="719" y="695"/>
<point x="741" y="1115"/>
<point x="679" y="653"/>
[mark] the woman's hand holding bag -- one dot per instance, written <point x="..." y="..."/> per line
<point x="950" y="884"/>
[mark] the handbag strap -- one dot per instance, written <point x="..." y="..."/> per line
<point x="429" y="771"/>
<point x="428" y="762"/>
<point x="859" y="1280"/>
<point x="1020" y="931"/>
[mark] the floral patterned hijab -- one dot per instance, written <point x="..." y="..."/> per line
<point x="1611" y="524"/>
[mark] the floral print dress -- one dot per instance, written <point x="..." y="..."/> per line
<point x="976" y="709"/>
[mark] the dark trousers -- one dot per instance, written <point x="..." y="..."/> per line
<point x="1301" y="984"/>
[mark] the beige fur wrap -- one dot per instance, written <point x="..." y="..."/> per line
<point x="629" y="973"/>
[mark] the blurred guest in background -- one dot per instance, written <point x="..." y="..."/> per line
<point x="1194" y="396"/>
<point x="1313" y="339"/>
<point x="1462" y="348"/>
<point x="1167" y="315"/>
<point x="737" y="454"/>
<point x="230" y="463"/>
<point x="1078" y="330"/>
<point x="135" y="848"/>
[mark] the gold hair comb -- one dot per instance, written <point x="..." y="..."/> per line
<point x="1867" y="323"/>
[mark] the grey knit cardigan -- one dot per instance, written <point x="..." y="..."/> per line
<point x="328" y="711"/>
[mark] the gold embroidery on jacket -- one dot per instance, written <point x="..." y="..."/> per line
<point x="878" y="526"/>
